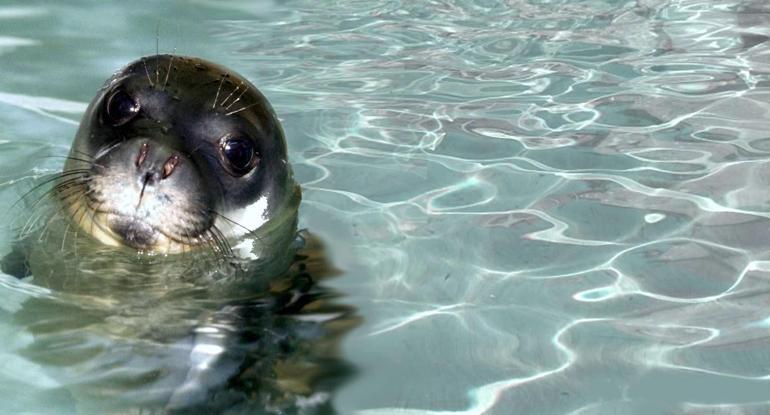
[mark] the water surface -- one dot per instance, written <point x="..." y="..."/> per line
<point x="538" y="207"/>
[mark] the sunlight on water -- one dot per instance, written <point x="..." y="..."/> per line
<point x="538" y="207"/>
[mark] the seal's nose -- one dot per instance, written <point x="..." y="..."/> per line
<point x="148" y="165"/>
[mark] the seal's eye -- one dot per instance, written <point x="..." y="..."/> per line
<point x="121" y="108"/>
<point x="238" y="154"/>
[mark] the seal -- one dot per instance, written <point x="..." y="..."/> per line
<point x="176" y="153"/>
<point x="177" y="156"/>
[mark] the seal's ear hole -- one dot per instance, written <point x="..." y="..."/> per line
<point x="121" y="108"/>
<point x="237" y="154"/>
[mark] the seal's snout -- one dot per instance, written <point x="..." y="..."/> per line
<point x="134" y="232"/>
<point x="151" y="168"/>
<point x="151" y="178"/>
<point x="149" y="195"/>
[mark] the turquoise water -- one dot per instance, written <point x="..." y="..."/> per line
<point x="538" y="207"/>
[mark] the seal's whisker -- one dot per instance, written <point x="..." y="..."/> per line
<point x="251" y="232"/>
<point x="47" y="227"/>
<point x="26" y="230"/>
<point x="94" y="211"/>
<point x="74" y="159"/>
<point x="47" y="223"/>
<point x="57" y="176"/>
<point x="35" y="217"/>
<point x="157" y="53"/>
<point x="81" y="206"/>
<point x="213" y="242"/>
<point x="67" y="158"/>
<point x="237" y="88"/>
<point x="238" y="98"/>
<point x="64" y="236"/>
<point x="72" y="199"/>
<point x="66" y="191"/>
<point x="75" y="182"/>
<point x="147" y="71"/>
<point x="157" y="39"/>
<point x="66" y="196"/>
<point x="205" y="239"/>
<point x="230" y="227"/>
<point x="217" y="248"/>
<point x="216" y="97"/>
<point x="223" y="240"/>
<point x="70" y="202"/>
<point x="212" y="236"/>
<point x="83" y="153"/>
<point x="168" y="72"/>
<point x="69" y="182"/>
<point x="241" y="109"/>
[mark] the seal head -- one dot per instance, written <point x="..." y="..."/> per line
<point x="175" y="153"/>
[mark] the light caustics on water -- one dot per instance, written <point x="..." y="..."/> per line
<point x="540" y="207"/>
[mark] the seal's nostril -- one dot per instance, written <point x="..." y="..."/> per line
<point x="143" y="150"/>
<point x="170" y="165"/>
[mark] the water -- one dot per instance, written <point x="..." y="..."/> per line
<point x="538" y="207"/>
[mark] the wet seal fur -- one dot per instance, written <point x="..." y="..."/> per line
<point x="176" y="153"/>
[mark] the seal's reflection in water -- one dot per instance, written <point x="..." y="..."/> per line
<point x="187" y="333"/>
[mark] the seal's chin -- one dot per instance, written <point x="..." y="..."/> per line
<point x="130" y="231"/>
<point x="134" y="231"/>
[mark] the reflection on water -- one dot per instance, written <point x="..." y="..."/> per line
<point x="539" y="207"/>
